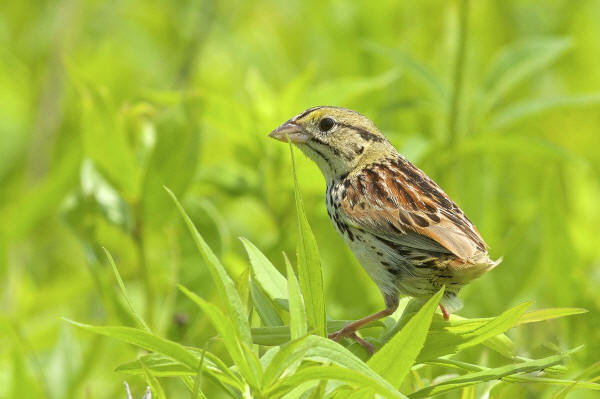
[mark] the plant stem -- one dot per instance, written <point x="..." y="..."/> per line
<point x="459" y="62"/>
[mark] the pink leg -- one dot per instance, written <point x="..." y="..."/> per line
<point x="444" y="312"/>
<point x="350" y="329"/>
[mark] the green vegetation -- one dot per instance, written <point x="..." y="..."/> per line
<point x="102" y="105"/>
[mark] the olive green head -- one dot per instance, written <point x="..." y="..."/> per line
<point x="338" y="140"/>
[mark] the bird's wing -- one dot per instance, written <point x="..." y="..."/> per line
<point x="396" y="201"/>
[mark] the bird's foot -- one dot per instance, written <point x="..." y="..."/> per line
<point x="350" y="332"/>
<point x="344" y="332"/>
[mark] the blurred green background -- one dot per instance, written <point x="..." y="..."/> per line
<point x="104" y="102"/>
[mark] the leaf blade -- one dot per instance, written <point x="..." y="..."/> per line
<point x="394" y="360"/>
<point x="309" y="265"/>
<point x="223" y="281"/>
<point x="267" y="276"/>
<point x="297" y="312"/>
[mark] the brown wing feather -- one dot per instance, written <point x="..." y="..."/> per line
<point x="396" y="200"/>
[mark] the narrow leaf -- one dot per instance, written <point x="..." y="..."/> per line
<point x="227" y="332"/>
<point x="145" y="340"/>
<point x="486" y="375"/>
<point x="317" y="349"/>
<point x="395" y="359"/>
<point x="267" y="276"/>
<point x="152" y="382"/>
<point x="136" y="316"/>
<point x="309" y="265"/>
<point x="452" y="338"/>
<point x="351" y="377"/>
<point x="164" y="366"/>
<point x="297" y="313"/>
<point x="548" y="314"/>
<point x="265" y="309"/>
<point x="224" y="284"/>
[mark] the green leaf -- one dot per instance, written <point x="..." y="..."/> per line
<point x="316" y="349"/>
<point x="324" y="350"/>
<point x="397" y="356"/>
<point x="486" y="375"/>
<point x="224" y="284"/>
<point x="455" y="364"/>
<point x="145" y="340"/>
<point x="452" y="337"/>
<point x="309" y="265"/>
<point x="271" y="336"/>
<point x="352" y="377"/>
<point x="231" y="340"/>
<point x="548" y="314"/>
<point x="267" y="276"/>
<point x="164" y="366"/>
<point x="136" y="316"/>
<point x="299" y="391"/>
<point x="265" y="309"/>
<point x="515" y="65"/>
<point x="501" y="343"/>
<point x="297" y="313"/>
<point x="152" y="382"/>
<point x="285" y="359"/>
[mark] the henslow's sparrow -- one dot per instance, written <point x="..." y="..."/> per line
<point x="403" y="229"/>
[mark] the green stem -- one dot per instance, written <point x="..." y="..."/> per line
<point x="459" y="62"/>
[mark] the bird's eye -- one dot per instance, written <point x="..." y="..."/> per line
<point x="326" y="124"/>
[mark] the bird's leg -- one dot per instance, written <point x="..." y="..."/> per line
<point x="364" y="343"/>
<point x="444" y="312"/>
<point x="349" y="330"/>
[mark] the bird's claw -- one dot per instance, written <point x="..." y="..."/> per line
<point x="351" y="333"/>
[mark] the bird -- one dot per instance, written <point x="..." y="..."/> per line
<point x="405" y="231"/>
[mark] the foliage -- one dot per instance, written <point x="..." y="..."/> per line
<point x="103" y="104"/>
<point x="307" y="364"/>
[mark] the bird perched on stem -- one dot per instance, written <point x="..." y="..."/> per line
<point x="410" y="237"/>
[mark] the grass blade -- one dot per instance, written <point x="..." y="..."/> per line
<point x="264" y="307"/>
<point x="452" y="338"/>
<point x="549" y="314"/>
<point x="267" y="275"/>
<point x="486" y="375"/>
<point x="225" y="286"/>
<point x="136" y="316"/>
<point x="152" y="382"/>
<point x="164" y="366"/>
<point x="145" y="340"/>
<point x="352" y="377"/>
<point x="297" y="312"/>
<point x="225" y="329"/>
<point x="309" y="265"/>
<point x="397" y="356"/>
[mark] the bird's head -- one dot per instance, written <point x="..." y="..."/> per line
<point x="338" y="140"/>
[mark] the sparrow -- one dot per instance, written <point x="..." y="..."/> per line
<point x="409" y="236"/>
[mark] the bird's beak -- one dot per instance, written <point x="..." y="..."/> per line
<point x="292" y="130"/>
